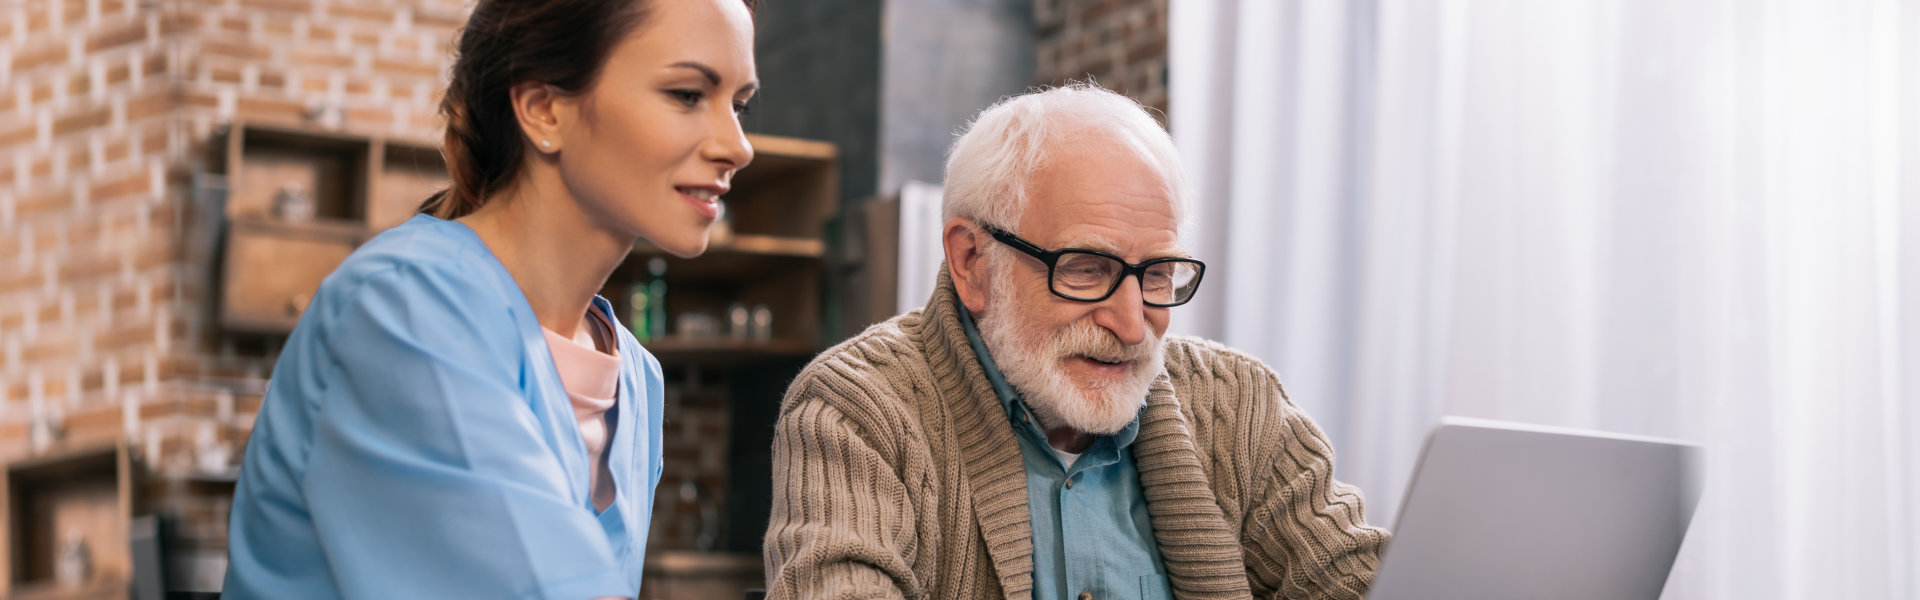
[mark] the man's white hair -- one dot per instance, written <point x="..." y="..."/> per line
<point x="993" y="161"/>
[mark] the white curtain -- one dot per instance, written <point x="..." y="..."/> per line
<point x="1686" y="218"/>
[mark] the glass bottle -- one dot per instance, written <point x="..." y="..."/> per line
<point x="639" y="309"/>
<point x="657" y="298"/>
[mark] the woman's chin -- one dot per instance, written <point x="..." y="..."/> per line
<point x="687" y="248"/>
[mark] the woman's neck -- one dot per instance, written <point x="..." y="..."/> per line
<point x="555" y="251"/>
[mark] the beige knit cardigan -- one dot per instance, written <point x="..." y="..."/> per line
<point x="896" y="474"/>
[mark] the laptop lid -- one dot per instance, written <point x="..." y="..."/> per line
<point x="1505" y="510"/>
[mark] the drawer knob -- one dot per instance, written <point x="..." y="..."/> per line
<point x="297" y="304"/>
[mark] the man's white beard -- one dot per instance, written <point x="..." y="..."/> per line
<point x="1033" y="360"/>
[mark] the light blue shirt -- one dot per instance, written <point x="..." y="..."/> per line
<point x="1094" y="537"/>
<point x="416" y="442"/>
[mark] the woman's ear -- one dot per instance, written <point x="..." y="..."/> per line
<point x="964" y="262"/>
<point x="540" y="109"/>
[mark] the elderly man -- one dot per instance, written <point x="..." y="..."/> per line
<point x="1030" y="432"/>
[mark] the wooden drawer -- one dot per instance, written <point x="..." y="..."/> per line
<point x="273" y="268"/>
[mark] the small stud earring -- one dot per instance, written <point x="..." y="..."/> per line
<point x="546" y="144"/>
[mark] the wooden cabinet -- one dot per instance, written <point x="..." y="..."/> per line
<point x="298" y="203"/>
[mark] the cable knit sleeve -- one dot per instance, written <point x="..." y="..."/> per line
<point x="1305" y="535"/>
<point x="842" y="524"/>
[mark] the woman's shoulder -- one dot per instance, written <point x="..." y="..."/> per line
<point x="427" y="242"/>
<point x="425" y="258"/>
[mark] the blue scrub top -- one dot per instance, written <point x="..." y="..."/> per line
<point x="416" y="442"/>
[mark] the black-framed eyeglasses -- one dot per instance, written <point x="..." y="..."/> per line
<point x="1093" y="276"/>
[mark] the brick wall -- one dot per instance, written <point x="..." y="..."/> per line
<point x="1120" y="43"/>
<point x="106" y="259"/>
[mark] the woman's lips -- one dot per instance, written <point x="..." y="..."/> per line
<point x="704" y="201"/>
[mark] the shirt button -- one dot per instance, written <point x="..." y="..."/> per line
<point x="1086" y="595"/>
<point x="1070" y="486"/>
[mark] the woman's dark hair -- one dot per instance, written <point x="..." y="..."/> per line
<point x="563" y="43"/>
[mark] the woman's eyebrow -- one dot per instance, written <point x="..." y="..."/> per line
<point x="713" y="77"/>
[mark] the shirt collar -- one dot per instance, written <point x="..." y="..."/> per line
<point x="1010" y="399"/>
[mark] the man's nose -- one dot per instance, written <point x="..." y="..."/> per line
<point x="1124" y="313"/>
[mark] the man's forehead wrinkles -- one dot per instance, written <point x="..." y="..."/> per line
<point x="1094" y="243"/>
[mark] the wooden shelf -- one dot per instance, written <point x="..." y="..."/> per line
<point x="775" y="148"/>
<point x="776" y="245"/>
<point x="700" y="351"/>
<point x="742" y="258"/>
<point x="230" y="476"/>
<point x="323" y="228"/>
<point x="102" y="589"/>
<point x="771" y="245"/>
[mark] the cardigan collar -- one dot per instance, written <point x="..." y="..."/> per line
<point x="1187" y="520"/>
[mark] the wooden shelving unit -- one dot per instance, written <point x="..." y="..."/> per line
<point x="360" y="185"/>
<point x="84" y="491"/>
<point x="773" y="252"/>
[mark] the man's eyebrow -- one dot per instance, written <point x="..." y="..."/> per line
<point x="1089" y="244"/>
<point x="1168" y="253"/>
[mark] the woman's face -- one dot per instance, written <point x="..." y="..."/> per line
<point x="657" y="137"/>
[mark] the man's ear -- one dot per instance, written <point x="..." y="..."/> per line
<point x="540" y="108"/>
<point x="965" y="244"/>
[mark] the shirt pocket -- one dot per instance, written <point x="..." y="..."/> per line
<point x="1154" y="587"/>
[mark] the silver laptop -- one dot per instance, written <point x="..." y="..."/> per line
<point x="1509" y="511"/>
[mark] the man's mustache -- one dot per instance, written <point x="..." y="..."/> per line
<point x="1093" y="341"/>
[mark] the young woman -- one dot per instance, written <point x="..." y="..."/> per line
<point x="457" y="415"/>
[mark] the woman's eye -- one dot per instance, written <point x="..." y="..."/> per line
<point x="687" y="97"/>
<point x="742" y="108"/>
